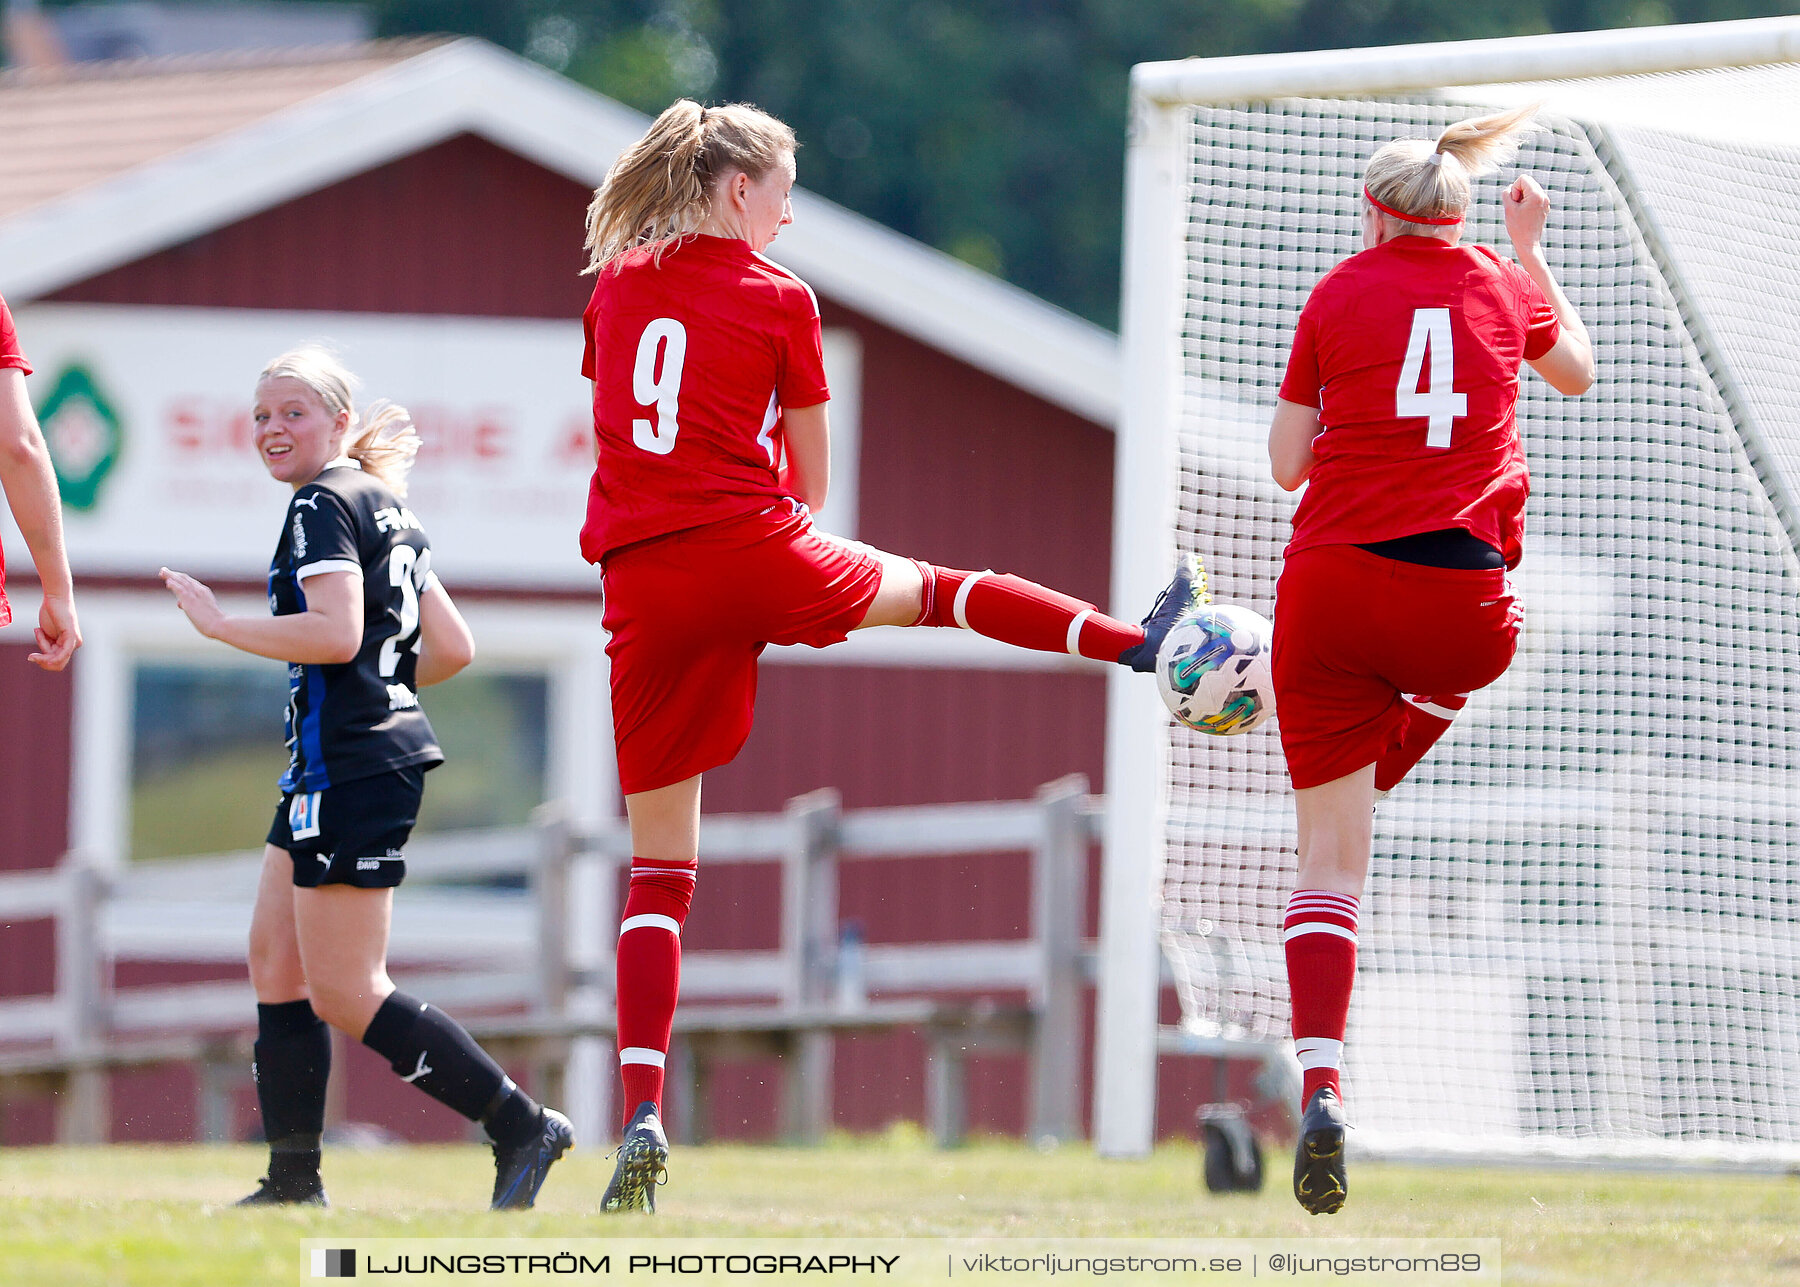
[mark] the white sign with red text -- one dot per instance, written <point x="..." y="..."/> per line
<point x="147" y="412"/>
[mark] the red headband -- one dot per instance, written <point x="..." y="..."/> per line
<point x="1389" y="210"/>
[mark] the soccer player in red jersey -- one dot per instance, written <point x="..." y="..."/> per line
<point x="31" y="494"/>
<point x="1393" y="604"/>
<point x="710" y="412"/>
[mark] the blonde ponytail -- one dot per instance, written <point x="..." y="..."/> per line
<point x="384" y="443"/>
<point x="1430" y="181"/>
<point x="660" y="188"/>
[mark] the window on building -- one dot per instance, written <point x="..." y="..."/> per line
<point x="494" y="728"/>
<point x="207" y="751"/>
<point x="842" y="350"/>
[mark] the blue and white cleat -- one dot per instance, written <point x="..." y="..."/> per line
<point x="1180" y="596"/>
<point x="519" y="1169"/>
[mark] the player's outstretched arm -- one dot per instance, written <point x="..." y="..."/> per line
<point x="446" y="644"/>
<point x="808" y="434"/>
<point x="1569" y="365"/>
<point x="1291" y="435"/>
<point x="30" y="484"/>
<point x="328" y="633"/>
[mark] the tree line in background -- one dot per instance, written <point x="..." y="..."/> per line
<point x="992" y="129"/>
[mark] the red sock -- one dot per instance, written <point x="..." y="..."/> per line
<point x="1427" y="719"/>
<point x="649" y="973"/>
<point x="1022" y="613"/>
<point x="1320" y="937"/>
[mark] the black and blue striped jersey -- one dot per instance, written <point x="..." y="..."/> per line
<point x="359" y="718"/>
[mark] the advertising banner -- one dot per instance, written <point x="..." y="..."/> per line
<point x="147" y="412"/>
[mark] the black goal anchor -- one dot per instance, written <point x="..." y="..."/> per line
<point x="1232" y="1158"/>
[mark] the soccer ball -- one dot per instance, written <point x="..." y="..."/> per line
<point x="1213" y="669"/>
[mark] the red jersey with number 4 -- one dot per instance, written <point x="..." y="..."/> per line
<point x="693" y="360"/>
<point x="10" y="357"/>
<point x="1411" y="353"/>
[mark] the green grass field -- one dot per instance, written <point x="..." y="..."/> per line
<point x="159" y="1216"/>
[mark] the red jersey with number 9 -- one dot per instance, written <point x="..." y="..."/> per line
<point x="1411" y="353"/>
<point x="693" y="360"/>
<point x="10" y="356"/>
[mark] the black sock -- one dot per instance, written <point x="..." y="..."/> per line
<point x="294" y="1171"/>
<point x="293" y="1063"/>
<point x="428" y="1048"/>
<point x="513" y="1116"/>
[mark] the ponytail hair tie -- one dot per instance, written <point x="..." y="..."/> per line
<point x="1436" y="158"/>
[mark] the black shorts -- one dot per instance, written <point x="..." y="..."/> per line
<point x="352" y="833"/>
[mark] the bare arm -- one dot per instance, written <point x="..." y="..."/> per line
<point x="31" y="493"/>
<point x="1291" y="435"/>
<point x="445" y="642"/>
<point x="1569" y="365"/>
<point x="808" y="434"/>
<point x="329" y="632"/>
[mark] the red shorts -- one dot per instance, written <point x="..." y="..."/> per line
<point x="689" y="613"/>
<point x="1355" y="631"/>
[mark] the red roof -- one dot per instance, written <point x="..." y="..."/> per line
<point x="68" y="127"/>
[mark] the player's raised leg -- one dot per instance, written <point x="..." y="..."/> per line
<point x="1428" y="718"/>
<point x="1025" y="614"/>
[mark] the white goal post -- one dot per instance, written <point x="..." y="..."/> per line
<point x="1579" y="935"/>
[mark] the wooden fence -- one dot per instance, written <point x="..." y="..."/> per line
<point x="552" y="976"/>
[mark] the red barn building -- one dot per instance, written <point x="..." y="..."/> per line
<point x="168" y="225"/>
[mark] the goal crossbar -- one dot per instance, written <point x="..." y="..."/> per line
<point x="1392" y="69"/>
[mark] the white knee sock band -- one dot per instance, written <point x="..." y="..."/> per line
<point x="1073" y="642"/>
<point x="959" y="607"/>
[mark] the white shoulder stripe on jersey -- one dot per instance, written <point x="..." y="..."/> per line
<point x="790" y="274"/>
<point x="328" y="565"/>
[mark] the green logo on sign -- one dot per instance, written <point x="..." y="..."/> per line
<point x="84" y="436"/>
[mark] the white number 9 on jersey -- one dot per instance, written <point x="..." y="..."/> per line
<point x="1438" y="404"/>
<point x="667" y="338"/>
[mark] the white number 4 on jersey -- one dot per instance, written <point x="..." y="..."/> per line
<point x="1438" y="404"/>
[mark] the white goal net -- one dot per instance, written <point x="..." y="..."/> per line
<point x="1581" y="935"/>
